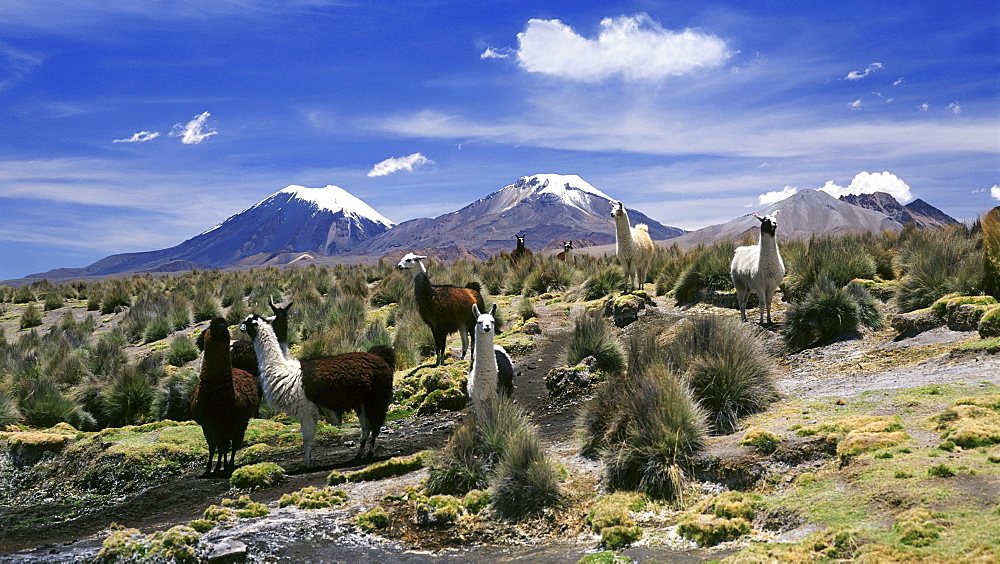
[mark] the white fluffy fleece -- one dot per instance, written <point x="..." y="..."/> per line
<point x="281" y="379"/>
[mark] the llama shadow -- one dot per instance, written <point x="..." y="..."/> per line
<point x="359" y="463"/>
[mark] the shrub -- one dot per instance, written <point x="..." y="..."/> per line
<point x="128" y="397"/>
<point x="9" y="414"/>
<point x="869" y="313"/>
<point x="604" y="283"/>
<point x="594" y="336"/>
<point x="31" y="317"/>
<point x="548" y="276"/>
<point x="839" y="258"/>
<point x="826" y="313"/>
<point x="157" y="329"/>
<point x="526" y="309"/>
<point x="43" y="405"/>
<point x="23" y="294"/>
<point x="116" y="297"/>
<point x="392" y="289"/>
<point x="726" y="368"/>
<point x="182" y="350"/>
<point x="54" y="300"/>
<point x="652" y="436"/>
<point x="257" y="476"/>
<point x="707" y="273"/>
<point x="936" y="263"/>
<point x="460" y="468"/>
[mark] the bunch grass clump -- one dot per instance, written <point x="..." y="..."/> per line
<point x="500" y="450"/>
<point x="827" y="312"/>
<point x="603" y="283"/>
<point x="839" y="258"/>
<point x="726" y="367"/>
<point x="939" y="262"/>
<point x="256" y="476"/>
<point x="594" y="336"/>
<point x="708" y="272"/>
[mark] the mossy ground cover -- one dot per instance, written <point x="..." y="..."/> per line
<point x="921" y="496"/>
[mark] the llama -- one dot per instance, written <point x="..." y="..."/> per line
<point x="492" y="370"/>
<point x="634" y="247"/>
<point x="445" y="309"/>
<point x="565" y="254"/>
<point x="243" y="354"/>
<point x="325" y="387"/>
<point x="224" y="399"/>
<point x="520" y="252"/>
<point x="758" y="268"/>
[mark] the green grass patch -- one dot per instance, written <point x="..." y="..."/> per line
<point x="314" y="498"/>
<point x="257" y="476"/>
<point x="396" y="466"/>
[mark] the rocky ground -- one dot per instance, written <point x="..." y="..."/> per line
<point x="875" y="364"/>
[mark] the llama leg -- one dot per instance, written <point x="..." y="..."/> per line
<point x="308" y="425"/>
<point x="211" y="455"/>
<point x="440" y="341"/>
<point x="465" y="340"/>
<point x="365" y="432"/>
<point x="741" y="299"/>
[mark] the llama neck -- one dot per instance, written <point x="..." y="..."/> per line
<point x="623" y="231"/>
<point x="421" y="285"/>
<point x="274" y="367"/>
<point x="485" y="362"/>
<point x="768" y="246"/>
<point x="217" y="364"/>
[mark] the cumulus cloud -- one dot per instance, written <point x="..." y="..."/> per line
<point x="140" y="137"/>
<point x="636" y="48"/>
<point x="858" y="75"/>
<point x="995" y="192"/>
<point x="924" y="107"/>
<point x="955" y="108"/>
<point x="194" y="131"/>
<point x="395" y="164"/>
<point x="776" y="196"/>
<point x="868" y="183"/>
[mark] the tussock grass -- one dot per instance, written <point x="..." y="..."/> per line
<point x="707" y="273"/>
<point x="594" y="336"/>
<point x="939" y="262"/>
<point x="726" y="367"/>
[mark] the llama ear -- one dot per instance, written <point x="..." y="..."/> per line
<point x="475" y="310"/>
<point x="493" y="310"/>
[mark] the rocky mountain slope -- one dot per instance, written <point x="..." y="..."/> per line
<point x="918" y="211"/>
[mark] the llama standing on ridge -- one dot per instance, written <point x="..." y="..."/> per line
<point x="444" y="308"/>
<point x="567" y="249"/>
<point x="758" y="268"/>
<point x="634" y="247"/>
<point x="325" y="387"/>
<point x="520" y="252"/>
<point x="492" y="370"/>
<point x="224" y="399"/>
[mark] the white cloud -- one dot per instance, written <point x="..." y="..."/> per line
<point x="855" y="75"/>
<point x="637" y="48"/>
<point x="194" y="131"/>
<point x="395" y="164"/>
<point x="955" y="108"/>
<point x="995" y="192"/>
<point x="924" y="107"/>
<point x="776" y="196"/>
<point x="491" y="53"/>
<point x="868" y="183"/>
<point x="898" y="81"/>
<point x="856" y="104"/>
<point x="140" y="137"/>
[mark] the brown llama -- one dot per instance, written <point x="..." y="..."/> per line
<point x="224" y="399"/>
<point x="565" y="254"/>
<point x="444" y="308"/>
<point x="521" y="252"/>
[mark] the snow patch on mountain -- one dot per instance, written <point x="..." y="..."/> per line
<point x="335" y="199"/>
<point x="569" y="188"/>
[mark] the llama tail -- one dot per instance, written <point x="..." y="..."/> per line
<point x="642" y="227"/>
<point x="386" y="353"/>
<point x="474" y="286"/>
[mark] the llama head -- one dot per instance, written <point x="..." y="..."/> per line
<point x="217" y="331"/>
<point x="768" y="223"/>
<point x="520" y="239"/>
<point x="251" y="325"/>
<point x="567" y="246"/>
<point x="617" y="209"/>
<point x="484" y="321"/>
<point x="410" y="261"/>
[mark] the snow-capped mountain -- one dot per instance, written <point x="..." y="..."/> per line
<point x="547" y="208"/>
<point x="296" y="219"/>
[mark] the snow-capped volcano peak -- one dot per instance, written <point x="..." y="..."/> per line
<point x="335" y="199"/>
<point x="569" y="189"/>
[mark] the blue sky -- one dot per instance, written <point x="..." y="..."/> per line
<point x="130" y="126"/>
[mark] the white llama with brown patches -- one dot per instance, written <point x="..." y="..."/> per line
<point x="634" y="247"/>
